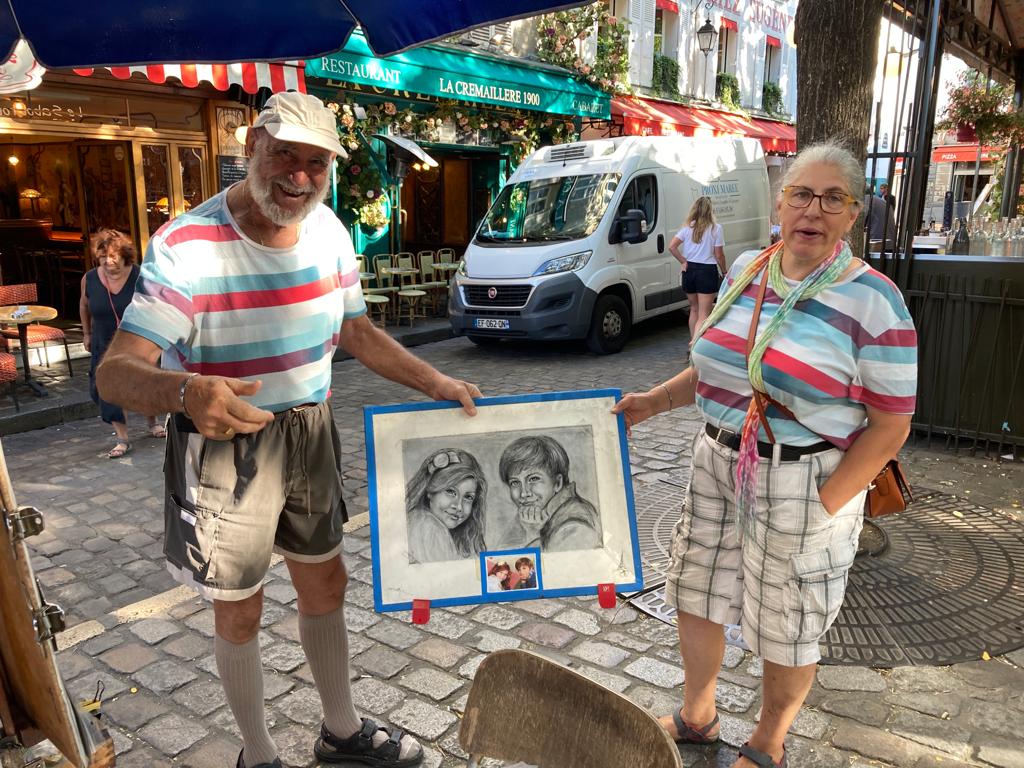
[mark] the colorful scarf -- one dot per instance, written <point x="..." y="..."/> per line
<point x="769" y="261"/>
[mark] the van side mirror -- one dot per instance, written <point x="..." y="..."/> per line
<point x="629" y="227"/>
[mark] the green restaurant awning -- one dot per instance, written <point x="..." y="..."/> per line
<point x="465" y="76"/>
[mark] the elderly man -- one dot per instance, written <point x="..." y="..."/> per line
<point x="246" y="298"/>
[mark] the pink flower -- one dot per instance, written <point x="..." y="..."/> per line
<point x="348" y="121"/>
<point x="389" y="108"/>
<point x="355" y="170"/>
<point x="612" y="21"/>
<point x="585" y="69"/>
<point x="578" y="63"/>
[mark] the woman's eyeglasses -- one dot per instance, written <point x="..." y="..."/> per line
<point x="831" y="202"/>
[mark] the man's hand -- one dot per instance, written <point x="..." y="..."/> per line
<point x="215" y="405"/>
<point x="447" y="388"/>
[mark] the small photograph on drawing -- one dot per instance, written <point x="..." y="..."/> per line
<point x="512" y="571"/>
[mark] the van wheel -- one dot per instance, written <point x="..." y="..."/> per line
<point x="609" y="326"/>
<point x="486" y="341"/>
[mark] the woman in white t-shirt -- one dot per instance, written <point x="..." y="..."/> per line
<point x="703" y="260"/>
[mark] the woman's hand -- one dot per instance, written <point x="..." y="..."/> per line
<point x="637" y="407"/>
<point x="87" y="341"/>
<point x="684" y="262"/>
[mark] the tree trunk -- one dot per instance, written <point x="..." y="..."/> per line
<point x="837" y="50"/>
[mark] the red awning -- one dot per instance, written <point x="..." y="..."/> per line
<point x="650" y="117"/>
<point x="289" y="76"/>
<point x="774" y="42"/>
<point x="730" y="24"/>
<point x="963" y="153"/>
<point x="667" y="5"/>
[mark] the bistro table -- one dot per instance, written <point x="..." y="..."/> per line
<point x="34" y="314"/>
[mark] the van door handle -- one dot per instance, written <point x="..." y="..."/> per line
<point x="661" y="243"/>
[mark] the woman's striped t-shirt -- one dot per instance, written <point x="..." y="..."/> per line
<point x="852" y="345"/>
<point x="221" y="304"/>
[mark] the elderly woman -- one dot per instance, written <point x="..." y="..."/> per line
<point x="775" y="504"/>
<point x="106" y="291"/>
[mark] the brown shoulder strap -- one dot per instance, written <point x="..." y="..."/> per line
<point x="751" y="338"/>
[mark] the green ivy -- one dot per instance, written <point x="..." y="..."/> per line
<point x="771" y="99"/>
<point x="727" y="89"/>
<point x="560" y="39"/>
<point x="666" y="77"/>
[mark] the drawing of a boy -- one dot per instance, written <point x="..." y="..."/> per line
<point x="550" y="513"/>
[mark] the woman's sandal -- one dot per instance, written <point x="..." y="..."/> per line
<point x="121" y="448"/>
<point x="157" y="430"/>
<point x="761" y="759"/>
<point x="687" y="734"/>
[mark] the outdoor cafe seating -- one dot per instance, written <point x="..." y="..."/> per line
<point x="36" y="335"/>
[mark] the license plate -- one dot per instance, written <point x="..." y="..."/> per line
<point x="491" y="323"/>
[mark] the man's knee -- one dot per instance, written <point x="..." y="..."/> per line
<point x="238" y="621"/>
<point x="320" y="586"/>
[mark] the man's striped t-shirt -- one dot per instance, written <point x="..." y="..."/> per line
<point x="221" y="304"/>
<point x="852" y="345"/>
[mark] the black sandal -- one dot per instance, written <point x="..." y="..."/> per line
<point x="690" y="735"/>
<point x="359" y="748"/>
<point x="241" y="763"/>
<point x="762" y="759"/>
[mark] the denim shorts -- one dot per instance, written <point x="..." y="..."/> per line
<point x="701" y="278"/>
<point x="231" y="503"/>
<point x="784" y="579"/>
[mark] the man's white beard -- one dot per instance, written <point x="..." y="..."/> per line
<point x="262" y="191"/>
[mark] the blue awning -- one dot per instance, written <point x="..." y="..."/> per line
<point x="72" y="33"/>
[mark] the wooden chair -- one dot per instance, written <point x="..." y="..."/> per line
<point x="9" y="371"/>
<point x="39" y="335"/>
<point x="524" y="707"/>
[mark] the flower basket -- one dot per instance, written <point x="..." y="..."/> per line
<point x="966" y="134"/>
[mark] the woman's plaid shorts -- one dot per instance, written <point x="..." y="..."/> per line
<point x="784" y="580"/>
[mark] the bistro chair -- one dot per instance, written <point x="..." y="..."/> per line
<point x="9" y="371"/>
<point x="446" y="255"/>
<point x="429" y="282"/>
<point x="525" y="707"/>
<point x="38" y="335"/>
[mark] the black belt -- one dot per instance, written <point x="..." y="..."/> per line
<point x="765" y="450"/>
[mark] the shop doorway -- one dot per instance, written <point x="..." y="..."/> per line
<point x="172" y="180"/>
<point x="441" y="206"/>
<point x="105" y="177"/>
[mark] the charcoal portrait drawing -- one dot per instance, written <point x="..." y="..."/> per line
<point x="503" y="490"/>
<point x="445" y="502"/>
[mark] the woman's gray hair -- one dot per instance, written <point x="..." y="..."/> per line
<point x="829" y="153"/>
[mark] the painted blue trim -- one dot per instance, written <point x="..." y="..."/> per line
<point x="370" y="411"/>
<point x="371" y="467"/>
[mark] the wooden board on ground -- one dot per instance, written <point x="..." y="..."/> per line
<point x="34" y="703"/>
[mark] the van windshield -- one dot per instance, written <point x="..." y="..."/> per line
<point x="542" y="210"/>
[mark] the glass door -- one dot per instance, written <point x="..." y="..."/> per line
<point x="172" y="180"/>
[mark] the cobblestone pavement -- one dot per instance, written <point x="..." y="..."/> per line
<point x="150" y="644"/>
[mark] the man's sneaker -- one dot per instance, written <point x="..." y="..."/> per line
<point x="359" y="748"/>
<point x="241" y="763"/>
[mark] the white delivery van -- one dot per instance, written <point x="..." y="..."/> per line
<point x="576" y="244"/>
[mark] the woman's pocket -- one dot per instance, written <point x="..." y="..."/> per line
<point x="814" y="591"/>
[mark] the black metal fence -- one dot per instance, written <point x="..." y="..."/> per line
<point x="969" y="314"/>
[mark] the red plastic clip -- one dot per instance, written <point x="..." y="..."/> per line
<point x="606" y="595"/>
<point x="420" y="611"/>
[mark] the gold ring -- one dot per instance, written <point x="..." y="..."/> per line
<point x="229" y="432"/>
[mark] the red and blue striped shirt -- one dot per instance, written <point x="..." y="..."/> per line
<point x="853" y="345"/>
<point x="221" y="304"/>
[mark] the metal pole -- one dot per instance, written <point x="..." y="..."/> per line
<point x="1011" y="189"/>
<point x="928" y="83"/>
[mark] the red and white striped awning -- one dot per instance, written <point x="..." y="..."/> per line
<point x="287" y="76"/>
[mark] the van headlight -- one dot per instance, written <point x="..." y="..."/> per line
<point x="568" y="263"/>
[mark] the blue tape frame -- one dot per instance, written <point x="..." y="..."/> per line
<point x="370" y="411"/>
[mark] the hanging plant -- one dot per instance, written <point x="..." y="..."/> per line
<point x="561" y="39"/>
<point x="361" y="185"/>
<point x="983" y="105"/>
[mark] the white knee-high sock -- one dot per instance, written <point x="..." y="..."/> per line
<point x="325" y="641"/>
<point x="241" y="674"/>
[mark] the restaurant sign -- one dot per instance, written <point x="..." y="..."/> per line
<point x="444" y="74"/>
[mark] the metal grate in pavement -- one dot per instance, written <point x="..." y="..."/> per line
<point x="946" y="589"/>
<point x="657" y="511"/>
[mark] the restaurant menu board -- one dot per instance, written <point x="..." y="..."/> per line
<point x="231" y="169"/>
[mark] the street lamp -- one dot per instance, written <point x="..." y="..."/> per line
<point x="706" y="41"/>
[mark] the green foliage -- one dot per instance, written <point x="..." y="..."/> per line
<point x="985" y="105"/>
<point x="771" y="99"/>
<point x="560" y="38"/>
<point x="360" y="184"/>
<point x="666" y="77"/>
<point x="727" y="89"/>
